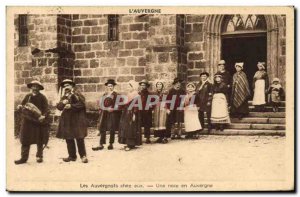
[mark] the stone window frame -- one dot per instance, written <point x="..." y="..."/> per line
<point x="113" y="27"/>
<point x="23" y="30"/>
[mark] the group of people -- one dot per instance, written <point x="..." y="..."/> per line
<point x="170" y="113"/>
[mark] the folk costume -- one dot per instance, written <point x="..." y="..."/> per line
<point x="109" y="117"/>
<point x="191" y="121"/>
<point x="34" y="130"/>
<point x="260" y="86"/>
<point x="219" y="111"/>
<point x="175" y="118"/>
<point x="146" y="112"/>
<point x="204" y="91"/>
<point x="130" y="123"/>
<point x="72" y="122"/>
<point x="276" y="94"/>
<point x="240" y="93"/>
<point x="160" y="115"/>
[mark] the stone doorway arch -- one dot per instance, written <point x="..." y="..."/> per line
<point x="275" y="43"/>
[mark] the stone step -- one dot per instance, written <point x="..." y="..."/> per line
<point x="245" y="132"/>
<point x="256" y="120"/>
<point x="254" y="126"/>
<point x="267" y="109"/>
<point x="282" y="103"/>
<point x="267" y="114"/>
<point x="264" y="115"/>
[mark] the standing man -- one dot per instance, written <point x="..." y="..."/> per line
<point x="146" y="114"/>
<point x="72" y="123"/>
<point x="34" y="127"/>
<point x="205" y="93"/>
<point x="109" y="116"/>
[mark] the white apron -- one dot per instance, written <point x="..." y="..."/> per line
<point x="219" y="109"/>
<point x="259" y="97"/>
<point x="191" y="120"/>
<point x="160" y="117"/>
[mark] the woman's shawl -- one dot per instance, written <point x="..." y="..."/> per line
<point x="240" y="90"/>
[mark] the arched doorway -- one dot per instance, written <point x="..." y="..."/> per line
<point x="244" y="39"/>
<point x="269" y="30"/>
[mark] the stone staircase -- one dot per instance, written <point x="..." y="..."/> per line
<point x="257" y="123"/>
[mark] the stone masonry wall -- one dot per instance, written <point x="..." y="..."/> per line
<point x="195" y="43"/>
<point x="162" y="53"/>
<point x="42" y="34"/>
<point x="97" y="59"/>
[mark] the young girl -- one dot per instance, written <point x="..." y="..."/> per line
<point x="260" y="85"/>
<point x="219" y="111"/>
<point x="276" y="94"/>
<point x="191" y="120"/>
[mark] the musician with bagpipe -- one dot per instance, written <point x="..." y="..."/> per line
<point x="72" y="123"/>
<point x="34" y="122"/>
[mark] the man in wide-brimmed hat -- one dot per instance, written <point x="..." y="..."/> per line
<point x="72" y="122"/>
<point x="204" y="91"/>
<point x="146" y="113"/>
<point x="34" y="131"/>
<point x="175" y="116"/>
<point x="109" y="116"/>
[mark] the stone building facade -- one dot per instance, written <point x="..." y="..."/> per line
<point x="146" y="47"/>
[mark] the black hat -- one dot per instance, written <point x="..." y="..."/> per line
<point x="144" y="81"/>
<point x="110" y="81"/>
<point x="35" y="82"/>
<point x="176" y="80"/>
<point x="204" y="73"/>
<point x="218" y="74"/>
<point x="67" y="81"/>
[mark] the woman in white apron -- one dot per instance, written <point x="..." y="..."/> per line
<point x="191" y="120"/>
<point x="219" y="109"/>
<point x="160" y="115"/>
<point x="260" y="85"/>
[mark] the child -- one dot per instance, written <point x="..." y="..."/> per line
<point x="260" y="85"/>
<point x="276" y="94"/>
<point x="219" y="111"/>
<point x="191" y="120"/>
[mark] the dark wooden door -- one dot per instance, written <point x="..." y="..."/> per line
<point x="248" y="49"/>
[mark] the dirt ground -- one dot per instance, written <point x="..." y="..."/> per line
<point x="208" y="159"/>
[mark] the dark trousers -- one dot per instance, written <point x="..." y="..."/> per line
<point x="72" y="148"/>
<point x="201" y="118"/>
<point x="25" y="151"/>
<point x="147" y="132"/>
<point x="103" y="137"/>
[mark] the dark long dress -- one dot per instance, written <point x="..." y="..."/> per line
<point x="130" y="131"/>
<point x="72" y="122"/>
<point x="32" y="132"/>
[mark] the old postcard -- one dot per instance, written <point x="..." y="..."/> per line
<point x="150" y="99"/>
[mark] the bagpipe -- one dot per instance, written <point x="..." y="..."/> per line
<point x="31" y="112"/>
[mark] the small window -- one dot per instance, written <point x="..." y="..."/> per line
<point x="113" y="23"/>
<point x="23" y="30"/>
